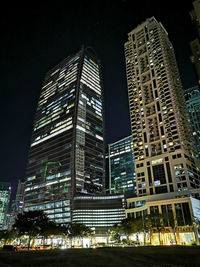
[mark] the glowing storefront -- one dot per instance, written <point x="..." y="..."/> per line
<point x="183" y="210"/>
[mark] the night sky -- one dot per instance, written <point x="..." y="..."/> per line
<point x="36" y="38"/>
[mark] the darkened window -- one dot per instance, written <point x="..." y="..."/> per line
<point x="159" y="173"/>
<point x="165" y="213"/>
<point x="149" y="175"/>
<point x="154" y="83"/>
<point x="162" y="130"/>
<point x="179" y="214"/>
<point x="145" y="137"/>
<point x="151" y="191"/>
<point x="171" y="188"/>
<point x="160" y="117"/>
<point x="154" y="210"/>
<point x="158" y="106"/>
<point x="187" y="214"/>
<point x="169" y="172"/>
<point x="161" y="189"/>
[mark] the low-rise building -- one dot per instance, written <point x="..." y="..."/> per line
<point x="99" y="213"/>
<point x="184" y="208"/>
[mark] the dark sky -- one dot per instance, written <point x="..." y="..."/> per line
<point x="35" y="38"/>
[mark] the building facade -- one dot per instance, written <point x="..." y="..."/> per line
<point x="17" y="204"/>
<point x="99" y="213"/>
<point x="164" y="149"/>
<point x="67" y="148"/>
<point x="193" y="105"/>
<point x="121" y="166"/>
<point x="178" y="214"/>
<point x="195" y="44"/>
<point x="5" y="192"/>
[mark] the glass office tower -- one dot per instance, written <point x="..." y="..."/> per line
<point x="67" y="149"/>
<point x="5" y="192"/>
<point x="164" y="149"/>
<point x="121" y="166"/>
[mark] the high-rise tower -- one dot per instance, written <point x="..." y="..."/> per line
<point x="195" y="44"/>
<point x="164" y="151"/>
<point x="67" y="149"/>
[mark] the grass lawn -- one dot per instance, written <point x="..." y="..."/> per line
<point x="111" y="257"/>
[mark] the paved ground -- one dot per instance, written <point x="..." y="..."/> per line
<point x="103" y="257"/>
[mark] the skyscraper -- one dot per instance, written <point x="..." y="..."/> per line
<point x="67" y="148"/>
<point x="193" y="104"/>
<point x="195" y="44"/>
<point x="121" y="166"/>
<point x="164" y="150"/>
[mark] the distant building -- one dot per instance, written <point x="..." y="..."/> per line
<point x="164" y="148"/>
<point x="189" y="92"/>
<point x="66" y="154"/>
<point x="121" y="167"/>
<point x="5" y="192"/>
<point x="193" y="104"/>
<point x="20" y="191"/>
<point x="17" y="204"/>
<point x="195" y="44"/>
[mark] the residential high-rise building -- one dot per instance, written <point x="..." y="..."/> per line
<point x="193" y="104"/>
<point x="67" y="148"/>
<point x="164" y="149"/>
<point x="195" y="44"/>
<point x="5" y="192"/>
<point x="121" y="166"/>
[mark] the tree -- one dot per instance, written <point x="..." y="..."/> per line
<point x="5" y="236"/>
<point x="78" y="230"/>
<point x="196" y="225"/>
<point x="50" y="228"/>
<point x="115" y="236"/>
<point x="173" y="224"/>
<point x="146" y="226"/>
<point x="126" y="227"/>
<point x="30" y="223"/>
<point x="137" y="226"/>
<point x="158" y="224"/>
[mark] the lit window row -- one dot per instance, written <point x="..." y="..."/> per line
<point x="93" y="80"/>
<point x="50" y="205"/>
